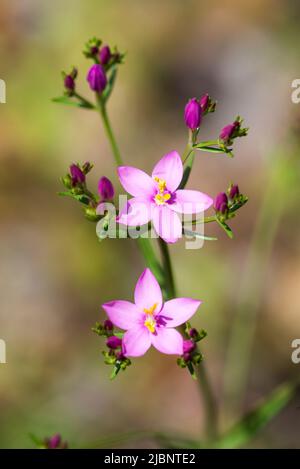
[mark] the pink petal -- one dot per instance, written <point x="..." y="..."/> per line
<point x="136" y="182"/>
<point x="170" y="169"/>
<point x="167" y="224"/>
<point x="189" y="202"/>
<point x="123" y="314"/>
<point x="137" y="212"/>
<point x="136" y="341"/>
<point x="179" y="310"/>
<point x="168" y="341"/>
<point x="147" y="292"/>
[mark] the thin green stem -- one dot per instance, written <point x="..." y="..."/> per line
<point x="205" y="387"/>
<point x="109" y="131"/>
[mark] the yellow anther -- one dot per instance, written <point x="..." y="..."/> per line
<point x="151" y="310"/>
<point x="150" y="324"/>
<point x="160" y="199"/>
<point x="161" y="184"/>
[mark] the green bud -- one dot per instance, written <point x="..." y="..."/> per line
<point x="181" y="362"/>
<point x="67" y="181"/>
<point x="91" y="215"/>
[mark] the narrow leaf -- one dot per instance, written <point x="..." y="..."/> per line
<point x="110" y="85"/>
<point x="82" y="198"/>
<point x="241" y="433"/>
<point x="199" y="235"/>
<point x="70" y="102"/>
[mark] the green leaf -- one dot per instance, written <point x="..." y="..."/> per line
<point x="213" y="146"/>
<point x="225" y="227"/>
<point x="199" y="235"/>
<point x="243" y="200"/>
<point x="110" y="85"/>
<point x="82" y="198"/>
<point x="242" y="432"/>
<point x="70" y="102"/>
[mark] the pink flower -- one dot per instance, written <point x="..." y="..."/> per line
<point x="148" y="321"/>
<point x="158" y="198"/>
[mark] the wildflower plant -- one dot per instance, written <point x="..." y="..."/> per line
<point x="157" y="317"/>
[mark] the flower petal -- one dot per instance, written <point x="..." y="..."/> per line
<point x="123" y="314"/>
<point x="187" y="201"/>
<point x="167" y="224"/>
<point x="179" y="310"/>
<point x="168" y="341"/>
<point x="147" y="292"/>
<point x="136" y="341"/>
<point x="137" y="212"/>
<point x="170" y="169"/>
<point x="136" y="182"/>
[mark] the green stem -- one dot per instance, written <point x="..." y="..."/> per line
<point x="109" y="131"/>
<point x="205" y="387"/>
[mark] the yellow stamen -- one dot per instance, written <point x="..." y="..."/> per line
<point x="160" y="199"/>
<point x="150" y="323"/>
<point x="161" y="184"/>
<point x="151" y="310"/>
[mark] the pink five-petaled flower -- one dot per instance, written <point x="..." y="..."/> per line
<point x="158" y="198"/>
<point x="148" y="321"/>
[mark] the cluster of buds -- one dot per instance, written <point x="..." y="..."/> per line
<point x="104" y="59"/>
<point x="232" y="131"/>
<point x="226" y="203"/>
<point x="75" y="183"/>
<point x="196" y="109"/>
<point x="191" y="355"/>
<point x="113" y="355"/>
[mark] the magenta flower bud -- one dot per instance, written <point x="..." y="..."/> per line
<point x="108" y="325"/>
<point x="77" y="175"/>
<point x="69" y="83"/>
<point x="234" y="191"/>
<point x="221" y="203"/>
<point x="193" y="114"/>
<point x="120" y="356"/>
<point x="187" y="356"/>
<point x="188" y="346"/>
<point x="105" y="188"/>
<point x="104" y="55"/>
<point x="204" y="102"/>
<point x="193" y="333"/>
<point x="228" y="131"/>
<point x="97" y="78"/>
<point x="113" y="342"/>
<point x="54" y="441"/>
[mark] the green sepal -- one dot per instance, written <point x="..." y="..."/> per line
<point x="70" y="102"/>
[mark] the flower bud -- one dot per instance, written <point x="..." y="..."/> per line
<point x="91" y="214"/>
<point x="108" y="325"/>
<point x="104" y="55"/>
<point x="221" y="203"/>
<point x="69" y="83"/>
<point x="77" y="175"/>
<point x="188" y="346"/>
<point x="204" y="102"/>
<point x="187" y="357"/>
<point x="105" y="189"/>
<point x="55" y="442"/>
<point x="233" y="191"/>
<point x="193" y="114"/>
<point x="227" y="133"/>
<point x="113" y="342"/>
<point x="87" y="167"/>
<point x="97" y="78"/>
<point x="193" y="333"/>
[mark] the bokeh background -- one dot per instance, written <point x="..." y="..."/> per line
<point x="54" y="274"/>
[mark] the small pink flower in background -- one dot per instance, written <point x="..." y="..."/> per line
<point x="148" y="321"/>
<point x="158" y="198"/>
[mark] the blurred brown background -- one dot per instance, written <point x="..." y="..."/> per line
<point x="54" y="274"/>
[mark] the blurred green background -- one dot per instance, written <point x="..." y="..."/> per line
<point x="54" y="274"/>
